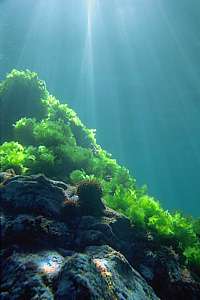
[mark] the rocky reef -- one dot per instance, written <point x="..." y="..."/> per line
<point x="53" y="249"/>
<point x="84" y="229"/>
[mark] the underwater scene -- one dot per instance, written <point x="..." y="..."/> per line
<point x="99" y="149"/>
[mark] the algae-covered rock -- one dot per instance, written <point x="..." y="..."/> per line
<point x="42" y="135"/>
<point x="60" y="240"/>
<point x="50" y="254"/>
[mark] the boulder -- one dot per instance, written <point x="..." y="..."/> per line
<point x="101" y="273"/>
<point x="51" y="250"/>
<point x="34" y="195"/>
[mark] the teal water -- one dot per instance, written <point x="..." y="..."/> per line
<point x="130" y="69"/>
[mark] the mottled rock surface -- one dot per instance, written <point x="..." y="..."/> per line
<point x="51" y="251"/>
<point x="101" y="273"/>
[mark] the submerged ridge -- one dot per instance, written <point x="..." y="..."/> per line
<point x="41" y="135"/>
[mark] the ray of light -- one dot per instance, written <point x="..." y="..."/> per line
<point x="87" y="74"/>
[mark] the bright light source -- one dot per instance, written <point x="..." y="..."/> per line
<point x="91" y="4"/>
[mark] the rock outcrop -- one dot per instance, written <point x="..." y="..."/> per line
<point x="51" y="250"/>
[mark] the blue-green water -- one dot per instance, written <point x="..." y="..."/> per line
<point x="131" y="69"/>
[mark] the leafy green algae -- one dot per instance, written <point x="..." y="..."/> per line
<point x="39" y="134"/>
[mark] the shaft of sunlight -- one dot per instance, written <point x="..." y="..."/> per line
<point x="87" y="73"/>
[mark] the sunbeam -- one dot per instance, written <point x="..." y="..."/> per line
<point x="86" y="82"/>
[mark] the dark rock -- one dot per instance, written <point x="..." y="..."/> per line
<point x="164" y="273"/>
<point x="52" y="250"/>
<point x="29" y="231"/>
<point x="101" y="273"/>
<point x="22" y="279"/>
<point x="90" y="237"/>
<point x="97" y="231"/>
<point x="86" y="222"/>
<point x="35" y="195"/>
<point x="120" y="224"/>
<point x="70" y="209"/>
